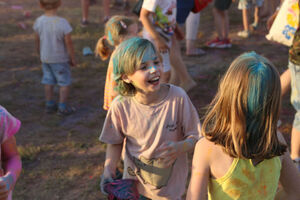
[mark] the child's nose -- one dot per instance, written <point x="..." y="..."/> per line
<point x="153" y="69"/>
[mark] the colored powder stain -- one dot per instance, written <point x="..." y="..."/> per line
<point x="262" y="190"/>
<point x="149" y="55"/>
<point x="238" y="183"/>
<point x="185" y="146"/>
<point x="233" y="193"/>
<point x="248" y="174"/>
<point x="208" y="152"/>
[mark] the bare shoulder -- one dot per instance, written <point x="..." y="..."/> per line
<point x="205" y="147"/>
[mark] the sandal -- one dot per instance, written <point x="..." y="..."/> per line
<point x="67" y="111"/>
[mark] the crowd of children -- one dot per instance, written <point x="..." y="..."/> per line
<point x="152" y="124"/>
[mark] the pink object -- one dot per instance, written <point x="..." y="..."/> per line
<point x="22" y="25"/>
<point x="16" y="7"/>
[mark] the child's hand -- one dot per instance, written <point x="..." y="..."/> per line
<point x="161" y="45"/>
<point x="179" y="33"/>
<point x="168" y="152"/>
<point x="105" y="178"/>
<point x="6" y="183"/>
<point x="73" y="62"/>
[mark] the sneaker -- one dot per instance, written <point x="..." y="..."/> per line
<point x="253" y="26"/>
<point x="66" y="111"/>
<point x="84" y="23"/>
<point x="227" y="43"/>
<point x="221" y="44"/>
<point x="243" y="34"/>
<point x="51" y="108"/>
<point x="213" y="43"/>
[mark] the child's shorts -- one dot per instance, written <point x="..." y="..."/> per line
<point x="222" y="4"/>
<point x="56" y="73"/>
<point x="295" y="93"/>
<point x="246" y="4"/>
<point x="184" y="8"/>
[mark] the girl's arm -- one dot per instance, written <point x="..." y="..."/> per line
<point x="159" y="41"/>
<point x="12" y="166"/>
<point x="200" y="171"/>
<point x="70" y="49"/>
<point x="113" y="154"/>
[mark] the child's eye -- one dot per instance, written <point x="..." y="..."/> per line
<point x="143" y="67"/>
<point x="157" y="62"/>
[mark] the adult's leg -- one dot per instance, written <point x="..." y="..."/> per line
<point x="106" y="10"/>
<point x="85" y="4"/>
<point x="218" y="19"/>
<point x="192" y="25"/>
<point x="245" y="19"/>
<point x="180" y="70"/>
<point x="225" y="30"/>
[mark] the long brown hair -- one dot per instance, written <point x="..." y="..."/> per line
<point x="243" y="116"/>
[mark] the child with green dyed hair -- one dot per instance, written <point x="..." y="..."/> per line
<point x="242" y="156"/>
<point x="158" y="121"/>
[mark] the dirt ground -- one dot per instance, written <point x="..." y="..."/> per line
<point x="62" y="157"/>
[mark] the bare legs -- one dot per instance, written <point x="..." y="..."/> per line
<point x="179" y="74"/>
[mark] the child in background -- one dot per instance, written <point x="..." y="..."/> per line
<point x="117" y="29"/>
<point x="244" y="5"/>
<point x="10" y="160"/>
<point x="241" y="156"/>
<point x="159" y="21"/>
<point x="158" y="121"/>
<point x="54" y="45"/>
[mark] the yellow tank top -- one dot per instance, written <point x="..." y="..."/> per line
<point x="243" y="180"/>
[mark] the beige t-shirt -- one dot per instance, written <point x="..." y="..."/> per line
<point x="146" y="128"/>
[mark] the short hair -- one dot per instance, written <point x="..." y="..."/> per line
<point x="243" y="116"/>
<point x="127" y="57"/>
<point x="50" y="4"/>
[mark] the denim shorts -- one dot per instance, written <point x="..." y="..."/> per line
<point x="184" y="7"/>
<point x="295" y="92"/>
<point x="222" y="4"/>
<point x="56" y="73"/>
<point x="246" y="4"/>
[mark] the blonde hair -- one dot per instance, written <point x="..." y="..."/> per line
<point x="126" y="59"/>
<point x="50" y="4"/>
<point x="115" y="29"/>
<point x="243" y="116"/>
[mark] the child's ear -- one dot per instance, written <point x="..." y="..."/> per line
<point x="126" y="79"/>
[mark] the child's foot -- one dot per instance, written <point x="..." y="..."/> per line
<point x="253" y="26"/>
<point x="51" y="107"/>
<point x="84" y="23"/>
<point x="65" y="110"/>
<point x="217" y="43"/>
<point x="243" y="34"/>
<point x="195" y="52"/>
<point x="105" y="19"/>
